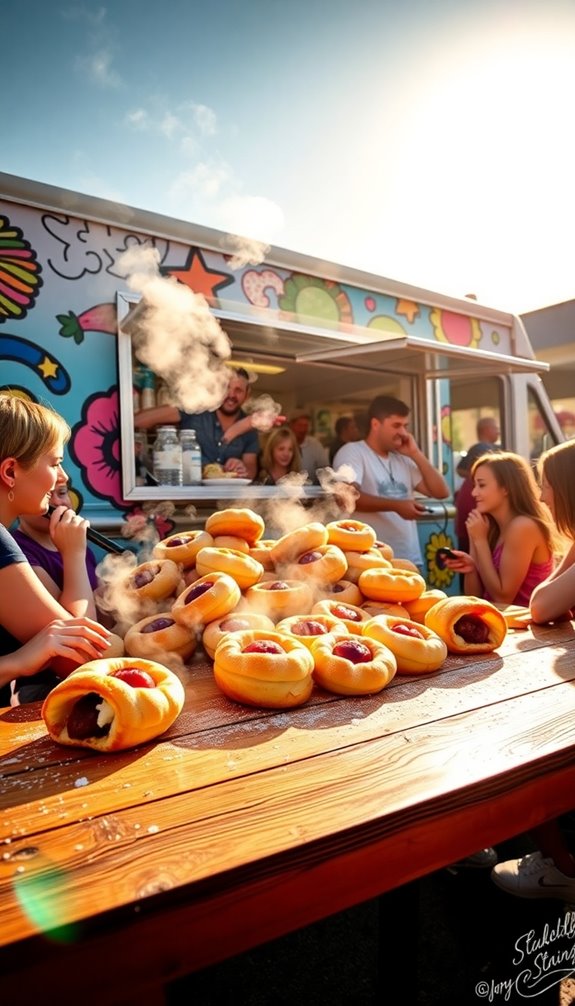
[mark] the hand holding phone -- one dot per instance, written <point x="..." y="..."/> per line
<point x="406" y="444"/>
<point x="442" y="554"/>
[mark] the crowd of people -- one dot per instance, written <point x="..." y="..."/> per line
<point x="228" y="435"/>
<point x="513" y="530"/>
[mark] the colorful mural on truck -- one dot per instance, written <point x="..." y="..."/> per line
<point x="59" y="278"/>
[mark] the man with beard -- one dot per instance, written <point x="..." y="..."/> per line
<point x="388" y="469"/>
<point x="226" y="435"/>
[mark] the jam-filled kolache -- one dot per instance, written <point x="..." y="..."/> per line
<point x="467" y="624"/>
<point x="112" y="704"/>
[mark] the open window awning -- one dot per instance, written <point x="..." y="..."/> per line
<point x="355" y="348"/>
<point x="371" y="349"/>
<point x="409" y="355"/>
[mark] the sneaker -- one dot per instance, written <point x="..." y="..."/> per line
<point x="483" y="859"/>
<point x="533" y="876"/>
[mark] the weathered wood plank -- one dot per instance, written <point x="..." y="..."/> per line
<point x="175" y="935"/>
<point x="337" y="801"/>
<point x="49" y="795"/>
<point x="206" y="708"/>
<point x="243" y="824"/>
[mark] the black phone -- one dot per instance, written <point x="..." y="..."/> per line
<point x="442" y="554"/>
<point x="96" y="538"/>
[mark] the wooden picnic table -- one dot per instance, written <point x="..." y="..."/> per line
<point x="122" y="872"/>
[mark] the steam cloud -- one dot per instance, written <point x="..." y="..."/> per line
<point x="264" y="410"/>
<point x="248" y="251"/>
<point x="177" y="336"/>
<point x="290" y="508"/>
<point x="338" y="485"/>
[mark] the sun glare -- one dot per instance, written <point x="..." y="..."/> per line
<point x="476" y="176"/>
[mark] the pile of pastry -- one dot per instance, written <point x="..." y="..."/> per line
<point x="325" y="604"/>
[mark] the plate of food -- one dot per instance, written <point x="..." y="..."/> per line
<point x="226" y="481"/>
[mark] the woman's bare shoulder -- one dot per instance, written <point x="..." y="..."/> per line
<point x="521" y="525"/>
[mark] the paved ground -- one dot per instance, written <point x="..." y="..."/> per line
<point x="460" y="946"/>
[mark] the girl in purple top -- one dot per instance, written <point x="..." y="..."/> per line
<point x="56" y="566"/>
<point x="510" y="532"/>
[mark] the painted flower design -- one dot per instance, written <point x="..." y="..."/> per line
<point x="312" y="297"/>
<point x="95" y="446"/>
<point x="458" y="329"/>
<point x="148" y="524"/>
<point x="437" y="577"/>
<point x="20" y="278"/>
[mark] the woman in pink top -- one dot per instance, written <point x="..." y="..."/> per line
<point x="550" y="872"/>
<point x="510" y="532"/>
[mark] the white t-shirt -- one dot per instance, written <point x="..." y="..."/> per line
<point x="394" y="477"/>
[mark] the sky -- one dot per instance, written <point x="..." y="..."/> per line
<point x="426" y="141"/>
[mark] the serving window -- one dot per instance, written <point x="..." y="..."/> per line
<point x="328" y="373"/>
<point x="327" y="388"/>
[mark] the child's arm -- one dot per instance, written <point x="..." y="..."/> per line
<point x="77" y="640"/>
<point x="553" y="598"/>
<point x="68" y="532"/>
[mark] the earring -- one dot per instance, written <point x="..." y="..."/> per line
<point x="11" y="496"/>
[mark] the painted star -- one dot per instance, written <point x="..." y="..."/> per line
<point x="48" y="368"/>
<point x="198" y="277"/>
<point x="408" y="308"/>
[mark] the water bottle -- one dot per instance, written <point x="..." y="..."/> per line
<point x="191" y="458"/>
<point x="146" y="381"/>
<point x="168" y="457"/>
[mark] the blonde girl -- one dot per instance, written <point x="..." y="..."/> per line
<point x="35" y="629"/>
<point x="280" y="456"/>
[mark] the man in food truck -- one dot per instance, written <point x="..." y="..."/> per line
<point x="388" y="468"/>
<point x="226" y="435"/>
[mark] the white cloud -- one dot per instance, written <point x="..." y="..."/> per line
<point x="205" y="119"/>
<point x="209" y="191"/>
<point x="205" y="180"/>
<point x="189" y="146"/>
<point x="79" y="12"/>
<point x="98" y="67"/>
<point x="139" y="119"/>
<point x="188" y="123"/>
<point x="251" y="216"/>
<point x="170" y="125"/>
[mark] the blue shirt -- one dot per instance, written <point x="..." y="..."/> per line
<point x="10" y="553"/>
<point x="209" y="433"/>
<point x="35" y="686"/>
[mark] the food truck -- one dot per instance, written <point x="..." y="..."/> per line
<point x="79" y="275"/>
